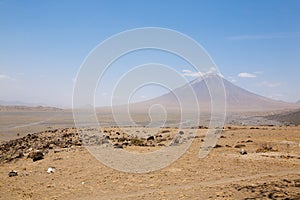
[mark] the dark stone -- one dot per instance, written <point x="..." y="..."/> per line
<point x="19" y="154"/>
<point x="37" y="156"/>
<point x="118" y="146"/>
<point x="175" y="141"/>
<point x="239" y="146"/>
<point x="12" y="173"/>
<point x="243" y="152"/>
<point x="150" y="138"/>
<point x="218" y="146"/>
<point x="125" y="143"/>
<point x="122" y="139"/>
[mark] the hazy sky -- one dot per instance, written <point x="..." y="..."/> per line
<point x="255" y="44"/>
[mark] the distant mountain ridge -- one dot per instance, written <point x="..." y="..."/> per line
<point x="22" y="106"/>
<point x="19" y="105"/>
<point x="16" y="103"/>
<point x="29" y="108"/>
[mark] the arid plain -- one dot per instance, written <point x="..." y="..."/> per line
<point x="250" y="161"/>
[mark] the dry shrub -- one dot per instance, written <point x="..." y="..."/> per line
<point x="266" y="148"/>
<point x="136" y="141"/>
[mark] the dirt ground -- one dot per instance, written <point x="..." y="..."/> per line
<point x="269" y="170"/>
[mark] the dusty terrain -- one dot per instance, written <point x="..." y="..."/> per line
<point x="291" y="117"/>
<point x="269" y="170"/>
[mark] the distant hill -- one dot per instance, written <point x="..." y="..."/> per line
<point x="298" y="102"/>
<point x="291" y="117"/>
<point x="28" y="108"/>
<point x="23" y="106"/>
<point x="20" y="103"/>
<point x="237" y="99"/>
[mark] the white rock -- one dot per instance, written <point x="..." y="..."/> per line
<point x="51" y="170"/>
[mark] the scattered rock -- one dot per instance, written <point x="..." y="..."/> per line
<point x="175" y="142"/>
<point x="51" y="170"/>
<point x="178" y="140"/>
<point x="57" y="150"/>
<point x="217" y="146"/>
<point x="150" y="138"/>
<point x="136" y="141"/>
<point x="43" y="141"/>
<point x="36" y="155"/>
<point x="239" y="146"/>
<point x="118" y="146"/>
<point x="12" y="173"/>
<point x="248" y="141"/>
<point x="278" y="189"/>
<point x="37" y="145"/>
<point x="51" y="146"/>
<point x="243" y="152"/>
<point x="125" y="143"/>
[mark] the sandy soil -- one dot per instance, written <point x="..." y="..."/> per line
<point x="269" y="170"/>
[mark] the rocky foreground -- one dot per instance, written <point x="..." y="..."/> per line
<point x="247" y="163"/>
<point x="37" y="145"/>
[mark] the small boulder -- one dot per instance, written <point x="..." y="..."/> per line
<point x="239" y="146"/>
<point x="51" y="170"/>
<point x="176" y="141"/>
<point x="12" y="173"/>
<point x="243" y="152"/>
<point x="150" y="138"/>
<point x="36" y="155"/>
<point x="118" y="146"/>
<point x="217" y="146"/>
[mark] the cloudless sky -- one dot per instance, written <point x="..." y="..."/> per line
<point x="255" y="44"/>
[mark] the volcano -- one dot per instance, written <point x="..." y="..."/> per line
<point x="236" y="99"/>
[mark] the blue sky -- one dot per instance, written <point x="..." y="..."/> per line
<point x="255" y="44"/>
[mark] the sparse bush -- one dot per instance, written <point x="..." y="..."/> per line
<point x="266" y="148"/>
<point x="122" y="139"/>
<point x="136" y="141"/>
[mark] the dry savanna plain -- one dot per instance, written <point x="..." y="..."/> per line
<point x="44" y="157"/>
